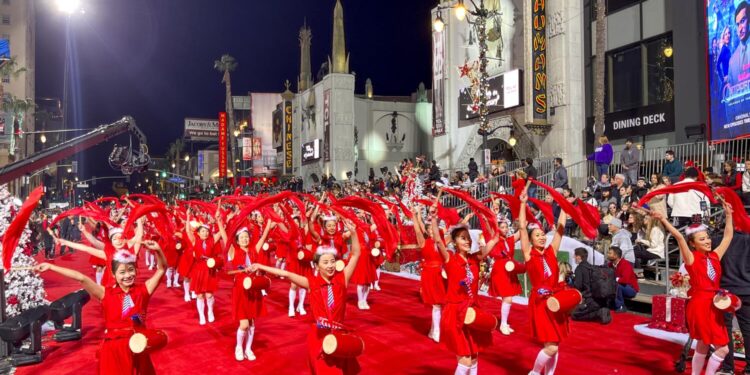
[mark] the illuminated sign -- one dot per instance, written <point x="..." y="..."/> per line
<point x="222" y="144"/>
<point x="288" y="137"/>
<point x="539" y="60"/>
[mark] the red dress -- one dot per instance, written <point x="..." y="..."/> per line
<point x="280" y="238"/>
<point x="187" y="258"/>
<point x="502" y="282"/>
<point x="432" y="283"/>
<point x="202" y="278"/>
<point x="109" y="252"/>
<point x="114" y="355"/>
<point x="545" y="326"/>
<point x="304" y="268"/>
<point x="459" y="339"/>
<point x="94" y="261"/>
<point x="327" y="316"/>
<point x="246" y="304"/>
<point x="364" y="273"/>
<point x="705" y="322"/>
<point x="336" y="241"/>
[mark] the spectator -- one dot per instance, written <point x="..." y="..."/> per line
<point x="445" y="180"/>
<point x="688" y="204"/>
<point x="371" y="176"/>
<point x="434" y="171"/>
<point x="627" y="282"/>
<point x="560" y="177"/>
<point x="590" y="309"/>
<point x="621" y="240"/>
<point x="602" y="156"/>
<point x="672" y="168"/>
<point x="651" y="247"/>
<point x="640" y="189"/>
<point x="606" y="200"/>
<point x="602" y="184"/>
<point x="473" y="169"/>
<point x="630" y="161"/>
<point x="735" y="277"/>
<point x="746" y="184"/>
<point x="635" y="226"/>
<point x="610" y="213"/>
<point x="730" y="177"/>
<point x="659" y="202"/>
<point x="586" y="197"/>
<point x="617" y="185"/>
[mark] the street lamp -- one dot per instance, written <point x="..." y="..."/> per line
<point x="460" y="10"/>
<point x="187" y="157"/>
<point x="173" y="165"/>
<point x="68" y="6"/>
<point x="43" y="139"/>
<point x="70" y="170"/>
<point x="438" y="24"/>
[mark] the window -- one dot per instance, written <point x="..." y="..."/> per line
<point x="6" y="19"/>
<point x="639" y="75"/>
<point x="6" y="79"/>
<point x="615" y="5"/>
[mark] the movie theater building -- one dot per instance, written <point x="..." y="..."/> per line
<point x="535" y="69"/>
<point x="655" y="71"/>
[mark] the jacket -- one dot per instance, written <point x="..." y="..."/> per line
<point x="735" y="264"/>
<point x="688" y="203"/>
<point x="602" y="154"/>
<point x="672" y="169"/>
<point x="630" y="158"/>
<point x="560" y="178"/>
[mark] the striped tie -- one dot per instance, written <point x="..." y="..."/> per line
<point x="547" y="270"/>
<point x="127" y="305"/>
<point x="469" y="281"/>
<point x="330" y="296"/>
<point x="711" y="270"/>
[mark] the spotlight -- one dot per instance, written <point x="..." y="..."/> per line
<point x="438" y="24"/>
<point x="460" y="10"/>
<point x="512" y="140"/>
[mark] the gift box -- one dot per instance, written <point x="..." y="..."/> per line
<point x="668" y="313"/>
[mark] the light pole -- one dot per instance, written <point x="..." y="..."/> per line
<point x="480" y="14"/>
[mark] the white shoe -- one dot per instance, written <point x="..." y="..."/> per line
<point x="435" y="337"/>
<point x="360" y="305"/>
<point x="202" y="321"/>
<point x="176" y="284"/>
<point x="187" y="297"/>
<point x="376" y="287"/>
<point x="249" y="355"/>
<point x="263" y="292"/>
<point x="510" y="329"/>
<point x="211" y="317"/>
<point x="365" y="305"/>
<point x="301" y="310"/>
<point x="169" y="284"/>
<point x="505" y="330"/>
<point x="238" y="354"/>
<point x="291" y="312"/>
<point x="193" y="295"/>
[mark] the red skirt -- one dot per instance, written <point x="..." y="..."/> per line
<point x="246" y="304"/>
<point x="320" y="363"/>
<point x="172" y="258"/>
<point x="282" y="250"/>
<point x="203" y="279"/>
<point x="115" y="358"/>
<point x="432" y="285"/>
<point x="364" y="273"/>
<point x="264" y="258"/>
<point x="502" y="282"/>
<point x="545" y="325"/>
<point x="96" y="261"/>
<point x="185" y="265"/>
<point x="459" y="339"/>
<point x="705" y="322"/>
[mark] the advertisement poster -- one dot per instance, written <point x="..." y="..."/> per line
<point x="222" y="144"/>
<point x="257" y="148"/>
<point x="278" y="127"/>
<point x="327" y="126"/>
<point x="438" y="84"/>
<point x="197" y="129"/>
<point x="247" y="148"/>
<point x="504" y="92"/>
<point x="728" y="68"/>
<point x="311" y="151"/>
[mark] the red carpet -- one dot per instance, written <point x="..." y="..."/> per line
<point x="394" y="332"/>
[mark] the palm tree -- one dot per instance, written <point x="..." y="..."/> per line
<point x="601" y="47"/>
<point x="9" y="68"/>
<point x="17" y="108"/>
<point x="174" y="151"/>
<point x="226" y="65"/>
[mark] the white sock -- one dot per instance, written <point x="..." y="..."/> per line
<point x="473" y="369"/>
<point x="365" y="292"/>
<point x="697" y="364"/>
<point x="176" y="276"/>
<point x="169" y="275"/>
<point x="250" y="336"/>
<point x="210" y="303"/>
<point x="186" y="288"/>
<point x="713" y="364"/>
<point x="153" y="258"/>
<point x="292" y="296"/>
<point x="283" y="265"/>
<point x="552" y="365"/>
<point x="541" y="361"/>
<point x="504" y="312"/>
<point x="99" y="277"/>
<point x="302" y="293"/>
<point x="436" y="313"/>
<point x="148" y="258"/>
<point x="462" y="370"/>
<point x="241" y="337"/>
<point x="360" y="293"/>
<point x="200" y="303"/>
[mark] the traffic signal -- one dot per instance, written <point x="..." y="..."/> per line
<point x="163" y="174"/>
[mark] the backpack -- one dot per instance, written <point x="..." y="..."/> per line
<point x="603" y="284"/>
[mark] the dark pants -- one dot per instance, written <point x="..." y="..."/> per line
<point x="588" y="311"/>
<point x="601" y="169"/>
<point x="623" y="292"/>
<point x="643" y="254"/>
<point x="743" y="318"/>
<point x="531" y="192"/>
<point x="680" y="222"/>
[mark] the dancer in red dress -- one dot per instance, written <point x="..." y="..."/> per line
<point x="299" y="266"/>
<point x="89" y="232"/>
<point x="331" y="236"/>
<point x="504" y="284"/>
<point x="705" y="322"/>
<point x="327" y="302"/>
<point x="247" y="305"/>
<point x="432" y="282"/>
<point x="124" y="304"/>
<point x="541" y="267"/>
<point x="204" y="278"/>
<point x="364" y="274"/>
<point x="462" y="292"/>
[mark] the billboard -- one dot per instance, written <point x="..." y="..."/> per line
<point x="327" y="125"/>
<point x="311" y="151"/>
<point x="438" y="84"/>
<point x="247" y="148"/>
<point x="504" y="92"/>
<point x="539" y="60"/>
<point x="728" y="69"/>
<point x="198" y="129"/>
<point x="278" y="128"/>
<point x="222" y="144"/>
<point x="636" y="122"/>
<point x="288" y="137"/>
<point x="257" y="148"/>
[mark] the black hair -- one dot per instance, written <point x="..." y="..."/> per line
<point x="669" y="152"/>
<point x="691" y="173"/>
<point x="115" y="264"/>
<point x="558" y="160"/>
<point x="616" y="250"/>
<point x="530" y="161"/>
<point x="581" y="252"/>
<point x="742" y="5"/>
<point x="454" y="232"/>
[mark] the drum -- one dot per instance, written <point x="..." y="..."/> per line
<point x="147" y="340"/>
<point x="305" y="256"/>
<point x="564" y="301"/>
<point x="375" y="252"/>
<point x="178" y="246"/>
<point x="340" y="265"/>
<point x="444" y="274"/>
<point x="727" y="302"/>
<point x="211" y="262"/>
<point x="343" y="345"/>
<point x="515" y="267"/>
<point x="256" y="282"/>
<point x="480" y="320"/>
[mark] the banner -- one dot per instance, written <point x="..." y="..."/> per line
<point x="278" y="128"/>
<point x="438" y="84"/>
<point x="504" y="92"/>
<point x="636" y="122"/>
<point x="222" y="144"/>
<point x="327" y="125"/>
<point x="247" y="148"/>
<point x="257" y="148"/>
<point x="728" y="69"/>
<point x="539" y="60"/>
<point x="197" y="129"/>
<point x="288" y="138"/>
<point x="311" y="151"/>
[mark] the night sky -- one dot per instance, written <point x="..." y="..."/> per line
<point x="153" y="59"/>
